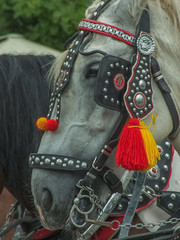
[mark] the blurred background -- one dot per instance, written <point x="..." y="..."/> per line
<point x="46" y="22"/>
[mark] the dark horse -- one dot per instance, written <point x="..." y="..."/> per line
<point x="23" y="98"/>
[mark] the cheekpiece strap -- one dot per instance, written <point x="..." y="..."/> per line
<point x="139" y="95"/>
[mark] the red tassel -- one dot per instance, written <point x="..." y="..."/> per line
<point x="131" y="153"/>
<point x="52" y="125"/>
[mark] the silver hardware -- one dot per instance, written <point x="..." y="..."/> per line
<point x="112" y="202"/>
<point x="173" y="196"/>
<point x="170" y="206"/>
<point x="163" y="179"/>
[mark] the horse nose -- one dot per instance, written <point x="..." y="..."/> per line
<point x="47" y="200"/>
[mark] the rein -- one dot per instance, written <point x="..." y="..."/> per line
<point x="126" y="97"/>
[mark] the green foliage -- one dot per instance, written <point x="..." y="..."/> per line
<point x="50" y="22"/>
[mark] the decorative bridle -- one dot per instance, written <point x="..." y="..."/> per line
<point x="121" y="86"/>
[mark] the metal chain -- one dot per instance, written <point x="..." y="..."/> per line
<point x="92" y="195"/>
<point x="141" y="225"/>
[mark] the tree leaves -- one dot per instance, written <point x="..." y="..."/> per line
<point x="48" y="22"/>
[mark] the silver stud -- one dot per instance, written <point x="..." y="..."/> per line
<point x="137" y="89"/>
<point x="77" y="42"/>
<point x="37" y="160"/>
<point x="132" y="91"/>
<point x="59" y="161"/>
<point x="137" y="114"/>
<point x="52" y="164"/>
<point x="84" y="165"/>
<point x="138" y="72"/>
<point x="78" y="162"/>
<point x="141" y="112"/>
<point x="41" y="163"/>
<point x="127" y="68"/>
<point x="53" y="158"/>
<point x="149" y="99"/>
<point x="142" y="84"/>
<point x="102" y="3"/>
<point x="163" y="179"/>
<point x="120" y="207"/>
<point x="47" y="161"/>
<point x="144" y="72"/>
<point x="131" y="104"/>
<point x="149" y="91"/>
<point x="165" y="167"/>
<point x="117" y="64"/>
<point x="167" y="144"/>
<point x="167" y="156"/>
<point x="129" y="98"/>
<point x="105" y="97"/>
<point x="111" y="65"/>
<point x="134" y="85"/>
<point x="104" y="89"/>
<point x="66" y="159"/>
<point x="112" y="100"/>
<point x="70" y="162"/>
<point x="140" y="100"/>
<point x="64" y="165"/>
<point x="32" y="163"/>
<point x="145" y="109"/>
<point x="141" y="76"/>
<point x="108" y="73"/>
<point x="170" y="206"/>
<point x="141" y="199"/>
<point x="106" y="82"/>
<point x="141" y="62"/>
<point x="76" y="201"/>
<point x="77" y="166"/>
<point x="137" y="78"/>
<point x="122" y="66"/>
<point x="173" y="196"/>
<point x="156" y="187"/>
<point x="145" y="92"/>
<point x="95" y="14"/>
<point x="134" y="109"/>
<point x="118" y="102"/>
<point x="149" y="106"/>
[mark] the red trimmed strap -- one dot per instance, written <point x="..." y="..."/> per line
<point x="44" y="234"/>
<point x="108" y="30"/>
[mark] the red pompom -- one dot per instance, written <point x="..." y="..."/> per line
<point x="52" y="125"/>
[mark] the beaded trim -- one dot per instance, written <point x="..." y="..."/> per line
<point x="57" y="162"/>
<point x="108" y="30"/>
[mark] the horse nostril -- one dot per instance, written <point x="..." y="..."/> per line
<point x="47" y="200"/>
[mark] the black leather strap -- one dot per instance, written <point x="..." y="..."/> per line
<point x="166" y="92"/>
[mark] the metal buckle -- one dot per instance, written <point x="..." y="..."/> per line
<point x="96" y="168"/>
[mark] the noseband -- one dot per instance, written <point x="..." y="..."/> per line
<point x="122" y="86"/>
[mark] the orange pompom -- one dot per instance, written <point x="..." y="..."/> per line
<point x="41" y="123"/>
<point x="52" y="125"/>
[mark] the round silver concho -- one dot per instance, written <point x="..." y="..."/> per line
<point x="145" y="44"/>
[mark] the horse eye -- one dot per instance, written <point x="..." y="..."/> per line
<point x="92" y="71"/>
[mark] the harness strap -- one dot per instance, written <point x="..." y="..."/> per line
<point x="166" y="92"/>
